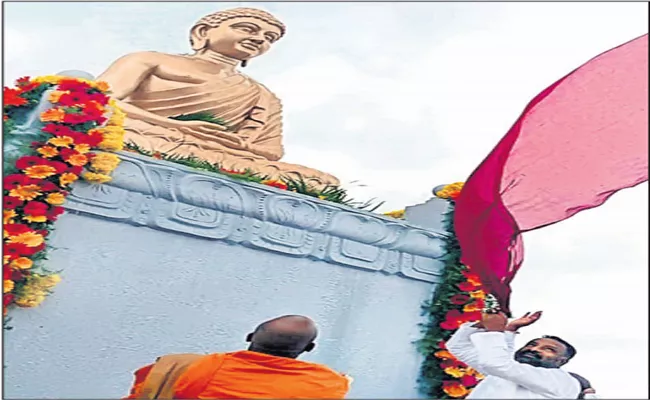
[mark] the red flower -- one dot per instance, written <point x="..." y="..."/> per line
<point x="10" y="203"/>
<point x="16" y="229"/>
<point x="75" y="169"/>
<point x="99" y="97"/>
<point x="57" y="130"/>
<point x="13" y="180"/>
<point x="48" y="186"/>
<point x="447" y="363"/>
<point x="94" y="138"/>
<point x="73" y="98"/>
<point x="21" y="82"/>
<point x="54" y="212"/>
<point x="29" y="161"/>
<point x="468" y="381"/>
<point x="10" y="97"/>
<point x="58" y="166"/>
<point x="74" y="119"/>
<point x="459" y="299"/>
<point x="7" y="299"/>
<point x="11" y="274"/>
<point x="15" y="250"/>
<point x="73" y="85"/>
<point x="442" y="345"/>
<point x="467" y="286"/>
<point x="36" y="208"/>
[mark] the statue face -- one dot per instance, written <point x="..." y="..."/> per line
<point x="241" y="38"/>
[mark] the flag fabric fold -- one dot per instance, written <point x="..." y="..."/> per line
<point x="578" y="142"/>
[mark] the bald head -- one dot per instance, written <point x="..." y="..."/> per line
<point x="287" y="336"/>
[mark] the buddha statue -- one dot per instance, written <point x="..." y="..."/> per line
<point x="162" y="95"/>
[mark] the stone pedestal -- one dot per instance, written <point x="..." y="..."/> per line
<point x="166" y="259"/>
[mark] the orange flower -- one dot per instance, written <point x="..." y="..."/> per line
<point x="61" y="141"/>
<point x="56" y="95"/>
<point x="7" y="286"/>
<point x="67" y="178"/>
<point x="29" y="239"/>
<point x="454" y="389"/>
<point x="101" y="85"/>
<point x="22" y="263"/>
<point x="476" y="305"/>
<point x="6" y="259"/>
<point x="26" y="192"/>
<point x="444" y="354"/>
<point x="454" y="371"/>
<point x="53" y="114"/>
<point x="82" y="148"/>
<point x="8" y="216"/>
<point x="477" y="294"/>
<point x="473" y="372"/>
<point x="47" y="151"/>
<point x="40" y="171"/>
<point x="55" y="199"/>
<point x="78" y="160"/>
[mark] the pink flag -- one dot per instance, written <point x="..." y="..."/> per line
<point x="576" y="143"/>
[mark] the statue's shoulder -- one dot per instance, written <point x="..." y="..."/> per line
<point x="150" y="57"/>
<point x="265" y="90"/>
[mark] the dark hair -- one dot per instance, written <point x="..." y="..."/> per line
<point x="570" y="350"/>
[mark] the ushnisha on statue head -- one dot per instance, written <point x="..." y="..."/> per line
<point x="239" y="33"/>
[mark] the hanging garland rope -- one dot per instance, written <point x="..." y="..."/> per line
<point x="458" y="299"/>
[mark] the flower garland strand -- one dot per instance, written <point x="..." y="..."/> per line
<point x="82" y="119"/>
<point x="458" y="299"/>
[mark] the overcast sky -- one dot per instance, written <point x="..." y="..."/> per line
<point x="403" y="97"/>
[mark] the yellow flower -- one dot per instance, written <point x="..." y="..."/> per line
<point x="56" y="95"/>
<point x="117" y="117"/>
<point x="40" y="171"/>
<point x="53" y="114"/>
<point x="112" y="145"/>
<point x="47" y="151"/>
<point x="395" y="214"/>
<point x="55" y="199"/>
<point x="22" y="263"/>
<point x="96" y="178"/>
<point x="8" y="216"/>
<point x="61" y="141"/>
<point x="471" y="307"/>
<point x="105" y="162"/>
<point x="26" y="192"/>
<point x="82" y="148"/>
<point x="5" y="259"/>
<point x="35" y="218"/>
<point x="53" y="79"/>
<point x="29" y="301"/>
<point x="477" y="294"/>
<point x="8" y="286"/>
<point x="454" y="371"/>
<point x="101" y="86"/>
<point x="29" y="239"/>
<point x="78" y="160"/>
<point x="67" y="178"/>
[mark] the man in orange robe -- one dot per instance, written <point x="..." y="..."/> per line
<point x="269" y="369"/>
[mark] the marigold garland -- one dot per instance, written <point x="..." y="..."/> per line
<point x="82" y="119"/>
<point x="458" y="299"/>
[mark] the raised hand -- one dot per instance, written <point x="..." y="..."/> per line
<point x="527" y="319"/>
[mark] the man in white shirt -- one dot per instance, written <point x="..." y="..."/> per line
<point x="532" y="372"/>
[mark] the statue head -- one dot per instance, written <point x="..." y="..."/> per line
<point x="239" y="33"/>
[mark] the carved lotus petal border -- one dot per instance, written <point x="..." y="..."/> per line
<point x="174" y="198"/>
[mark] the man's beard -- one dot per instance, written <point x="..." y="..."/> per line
<point x="534" y="359"/>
